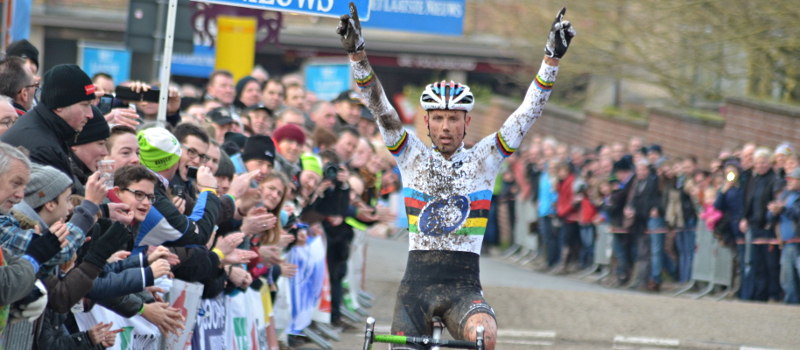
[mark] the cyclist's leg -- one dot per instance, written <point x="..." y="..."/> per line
<point x="411" y="314"/>
<point x="468" y="312"/>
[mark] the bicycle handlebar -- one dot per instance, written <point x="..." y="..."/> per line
<point x="425" y="341"/>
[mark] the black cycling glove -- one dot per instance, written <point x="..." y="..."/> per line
<point x="350" y="30"/>
<point x="561" y="33"/>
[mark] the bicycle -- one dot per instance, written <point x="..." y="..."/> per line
<point x="428" y="343"/>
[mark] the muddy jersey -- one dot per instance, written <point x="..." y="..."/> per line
<point x="447" y="200"/>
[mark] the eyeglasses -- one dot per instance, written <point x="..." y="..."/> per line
<point x="204" y="158"/>
<point x="34" y="85"/>
<point x="9" y="121"/>
<point x="140" y="196"/>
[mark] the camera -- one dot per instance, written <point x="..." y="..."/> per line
<point x="330" y="171"/>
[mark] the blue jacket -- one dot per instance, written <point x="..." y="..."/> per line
<point x="547" y="195"/>
<point x="121" y="278"/>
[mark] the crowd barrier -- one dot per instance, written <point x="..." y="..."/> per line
<point x="712" y="264"/>
<point x="525" y="246"/>
<point x="602" y="254"/>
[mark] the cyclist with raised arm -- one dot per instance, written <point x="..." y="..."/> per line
<point x="448" y="188"/>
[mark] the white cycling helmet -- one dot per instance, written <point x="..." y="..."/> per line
<point x="453" y="96"/>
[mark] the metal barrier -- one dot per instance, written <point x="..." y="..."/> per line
<point x="18" y="335"/>
<point x="602" y="253"/>
<point x="525" y="245"/>
<point x="712" y="263"/>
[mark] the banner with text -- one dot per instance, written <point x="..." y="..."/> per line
<point x="325" y="8"/>
<point x="440" y="17"/>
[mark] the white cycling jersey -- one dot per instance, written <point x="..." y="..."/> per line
<point x="447" y="200"/>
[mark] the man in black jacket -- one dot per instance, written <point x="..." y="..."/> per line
<point x="764" y="256"/>
<point x="64" y="109"/>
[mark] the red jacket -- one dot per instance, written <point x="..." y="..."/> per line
<point x="588" y="211"/>
<point x="565" y="208"/>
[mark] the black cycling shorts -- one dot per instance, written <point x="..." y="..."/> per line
<point x="438" y="283"/>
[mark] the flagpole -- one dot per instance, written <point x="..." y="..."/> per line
<point x="166" y="61"/>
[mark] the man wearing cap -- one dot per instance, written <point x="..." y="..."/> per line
<point x="223" y="122"/>
<point x="259" y="154"/>
<point x="367" y="126"/>
<point x="261" y="120"/>
<point x="24" y="49"/>
<point x="88" y="148"/>
<point x="290" y="139"/>
<point x="165" y="224"/>
<point x="17" y="82"/>
<point x="64" y="109"/>
<point x="348" y="108"/>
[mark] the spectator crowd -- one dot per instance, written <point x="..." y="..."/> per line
<point x="257" y="188"/>
<point x="654" y="205"/>
<point x="253" y="187"/>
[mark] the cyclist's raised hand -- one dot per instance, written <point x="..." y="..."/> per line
<point x="350" y="31"/>
<point x="561" y="34"/>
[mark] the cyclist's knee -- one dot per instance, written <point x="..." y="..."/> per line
<point x="489" y="325"/>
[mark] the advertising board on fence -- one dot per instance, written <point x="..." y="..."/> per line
<point x="325" y="8"/>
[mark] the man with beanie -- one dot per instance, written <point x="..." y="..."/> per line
<point x="24" y="49"/>
<point x="65" y="107"/>
<point x="290" y="139"/>
<point x="88" y="148"/>
<point x="47" y="203"/>
<point x="17" y="82"/>
<point x="248" y="93"/>
<point x="224" y="173"/>
<point x="259" y="154"/>
<point x="165" y="223"/>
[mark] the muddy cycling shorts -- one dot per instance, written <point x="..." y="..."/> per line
<point x="438" y="283"/>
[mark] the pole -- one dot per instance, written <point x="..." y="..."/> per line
<point x="158" y="35"/>
<point x="166" y="61"/>
<point x="6" y="17"/>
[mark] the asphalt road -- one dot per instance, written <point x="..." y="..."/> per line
<point x="539" y="311"/>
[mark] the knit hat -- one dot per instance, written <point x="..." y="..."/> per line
<point x="623" y="164"/>
<point x="160" y="149"/>
<point x="66" y="85"/>
<point x="23" y="48"/>
<point x="226" y="167"/>
<point x="46" y="184"/>
<point x="259" y="147"/>
<point x="241" y="84"/>
<point x="654" y="148"/>
<point x="237" y="138"/>
<point x="96" y="129"/>
<point x="311" y="163"/>
<point x="291" y="132"/>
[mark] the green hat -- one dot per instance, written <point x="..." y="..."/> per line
<point x="160" y="150"/>
<point x="311" y="163"/>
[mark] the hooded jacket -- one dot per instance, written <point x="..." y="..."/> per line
<point x="44" y="134"/>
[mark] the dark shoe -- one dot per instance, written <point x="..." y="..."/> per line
<point x="343" y="326"/>
<point x="652" y="286"/>
<point x="295" y="341"/>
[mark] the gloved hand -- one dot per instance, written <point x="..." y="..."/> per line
<point x="163" y="282"/>
<point x="31" y="309"/>
<point x="110" y="242"/>
<point x="43" y="248"/>
<point x="561" y="34"/>
<point x="350" y="30"/>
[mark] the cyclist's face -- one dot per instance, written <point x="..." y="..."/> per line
<point x="447" y="129"/>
